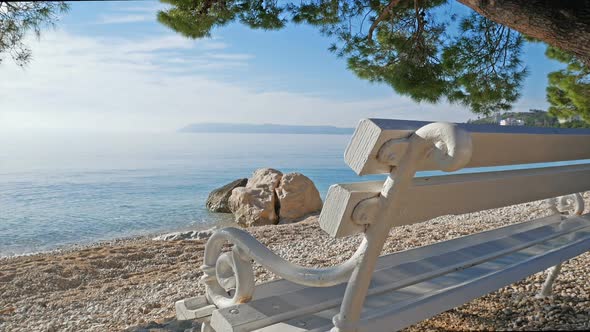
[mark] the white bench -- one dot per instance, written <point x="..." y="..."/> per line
<point x="372" y="293"/>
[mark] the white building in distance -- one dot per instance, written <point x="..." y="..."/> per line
<point x="511" y="122"/>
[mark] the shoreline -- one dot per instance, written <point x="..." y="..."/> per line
<point x="72" y="247"/>
<point x="131" y="284"/>
<point x="66" y="248"/>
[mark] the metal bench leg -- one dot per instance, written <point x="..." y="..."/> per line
<point x="570" y="204"/>
<point x="547" y="289"/>
<point x="206" y="327"/>
<point x="358" y="285"/>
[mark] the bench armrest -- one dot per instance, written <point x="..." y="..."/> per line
<point x="223" y="271"/>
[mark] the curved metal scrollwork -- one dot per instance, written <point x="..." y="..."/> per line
<point x="229" y="271"/>
<point x="452" y="146"/>
<point x="572" y="204"/>
<point x="569" y="204"/>
<point x="447" y="146"/>
<point x="226" y="271"/>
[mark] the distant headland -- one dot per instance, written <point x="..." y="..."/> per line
<point x="242" y="128"/>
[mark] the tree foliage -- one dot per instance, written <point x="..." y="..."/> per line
<point x="484" y="65"/>
<point x="195" y="19"/>
<point x="411" y="45"/>
<point x="533" y="118"/>
<point x="17" y="19"/>
<point x="568" y="92"/>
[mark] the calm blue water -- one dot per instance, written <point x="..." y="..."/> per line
<point x="61" y="189"/>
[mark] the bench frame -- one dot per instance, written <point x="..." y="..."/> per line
<point x="442" y="146"/>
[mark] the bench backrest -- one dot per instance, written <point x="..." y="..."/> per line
<point x="378" y="146"/>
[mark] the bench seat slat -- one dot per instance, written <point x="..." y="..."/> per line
<point x="400" y="308"/>
<point x="458" y="288"/>
<point x="397" y="270"/>
<point x="492" y="145"/>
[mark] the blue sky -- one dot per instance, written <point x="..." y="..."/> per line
<point x="112" y="66"/>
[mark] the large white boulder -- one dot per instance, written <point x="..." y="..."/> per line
<point x="297" y="197"/>
<point x="256" y="204"/>
<point x="265" y="178"/>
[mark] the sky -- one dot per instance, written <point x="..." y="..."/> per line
<point x="110" y="66"/>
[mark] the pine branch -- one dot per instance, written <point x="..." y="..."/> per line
<point x="384" y="14"/>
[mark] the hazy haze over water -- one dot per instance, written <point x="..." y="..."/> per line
<point x="58" y="189"/>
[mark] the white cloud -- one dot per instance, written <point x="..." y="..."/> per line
<point x="230" y="56"/>
<point x="142" y="12"/>
<point x="143" y="7"/>
<point x="129" y="18"/>
<point x="152" y="84"/>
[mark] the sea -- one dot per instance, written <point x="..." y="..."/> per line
<point x="61" y="189"/>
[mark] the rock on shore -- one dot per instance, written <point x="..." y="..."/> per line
<point x="186" y="235"/>
<point x="217" y="201"/>
<point x="256" y="203"/>
<point x="270" y="196"/>
<point x="297" y="197"/>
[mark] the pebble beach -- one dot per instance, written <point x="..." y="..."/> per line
<point x="132" y="284"/>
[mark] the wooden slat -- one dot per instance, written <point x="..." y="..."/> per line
<point x="399" y="308"/>
<point x="335" y="217"/>
<point x="429" y="197"/>
<point x="394" y="271"/>
<point x="492" y="145"/>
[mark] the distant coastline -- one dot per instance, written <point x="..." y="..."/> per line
<point x="242" y="128"/>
